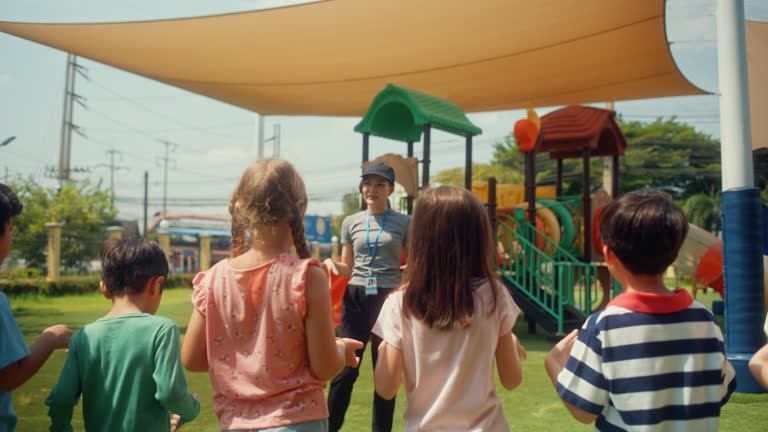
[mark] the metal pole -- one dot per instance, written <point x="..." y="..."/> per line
<point x="492" y="205"/>
<point x="736" y="133"/>
<point x="146" y="201"/>
<point x="468" y="164"/>
<point x="66" y="120"/>
<point x="260" y="148"/>
<point x="166" y="159"/>
<point x="740" y="201"/>
<point x="586" y="206"/>
<point x="425" y="159"/>
<point x="409" y="200"/>
<point x="366" y="144"/>
<point x="112" y="176"/>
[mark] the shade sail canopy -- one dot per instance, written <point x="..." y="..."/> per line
<point x="400" y="114"/>
<point x="757" y="67"/>
<point x="332" y="57"/>
<point x="567" y="131"/>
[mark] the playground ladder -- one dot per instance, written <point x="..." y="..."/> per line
<point x="551" y="285"/>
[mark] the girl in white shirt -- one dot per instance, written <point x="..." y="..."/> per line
<point x="450" y="320"/>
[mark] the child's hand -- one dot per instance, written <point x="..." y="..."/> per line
<point x="331" y="266"/>
<point x="350" y="346"/>
<point x="555" y="361"/>
<point x="562" y="350"/>
<point x="58" y="336"/>
<point x="522" y="354"/>
<point x="175" y="422"/>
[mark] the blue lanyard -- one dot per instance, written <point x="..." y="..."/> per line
<point x="368" y="234"/>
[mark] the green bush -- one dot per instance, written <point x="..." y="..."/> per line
<point x="20" y="272"/>
<point x="74" y="284"/>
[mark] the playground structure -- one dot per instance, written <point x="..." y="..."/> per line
<point x="549" y="244"/>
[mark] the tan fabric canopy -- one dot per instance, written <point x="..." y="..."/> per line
<point x="757" y="67"/>
<point x="332" y="57"/>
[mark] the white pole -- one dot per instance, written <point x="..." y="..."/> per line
<point x="735" y="129"/>
<point x="260" y="153"/>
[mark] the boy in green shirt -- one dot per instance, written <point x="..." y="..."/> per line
<point x="126" y="365"/>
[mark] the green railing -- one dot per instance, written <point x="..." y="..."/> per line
<point x="550" y="276"/>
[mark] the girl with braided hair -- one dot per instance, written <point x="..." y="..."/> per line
<point x="262" y="322"/>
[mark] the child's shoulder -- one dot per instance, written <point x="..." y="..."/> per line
<point x="5" y="305"/>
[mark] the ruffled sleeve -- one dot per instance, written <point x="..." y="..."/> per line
<point x="299" y="283"/>
<point x="200" y="293"/>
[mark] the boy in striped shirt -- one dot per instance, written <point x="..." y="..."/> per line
<point x="654" y="358"/>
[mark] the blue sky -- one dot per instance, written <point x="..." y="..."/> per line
<point x="216" y="141"/>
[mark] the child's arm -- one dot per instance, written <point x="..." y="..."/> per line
<point x="325" y="363"/>
<point x="64" y="396"/>
<point x="555" y="362"/>
<point x="389" y="371"/>
<point x="17" y="373"/>
<point x="194" y="354"/>
<point x="758" y="365"/>
<point x="342" y="268"/>
<point x="509" y="352"/>
<point x="169" y="378"/>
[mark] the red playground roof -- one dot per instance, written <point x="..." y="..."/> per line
<point x="567" y="131"/>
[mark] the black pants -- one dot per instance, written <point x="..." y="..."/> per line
<point x="359" y="313"/>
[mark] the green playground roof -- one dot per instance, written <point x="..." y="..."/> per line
<point x="400" y="114"/>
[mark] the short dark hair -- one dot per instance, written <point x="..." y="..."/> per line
<point x="10" y="206"/>
<point x="127" y="265"/>
<point x="644" y="229"/>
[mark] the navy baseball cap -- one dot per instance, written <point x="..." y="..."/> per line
<point x="380" y="169"/>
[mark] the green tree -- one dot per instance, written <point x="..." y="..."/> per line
<point x="669" y="155"/>
<point x="703" y="210"/>
<point x="84" y="208"/>
<point x="350" y="203"/>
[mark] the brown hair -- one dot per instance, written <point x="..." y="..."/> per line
<point x="644" y="229"/>
<point x="450" y="252"/>
<point x="270" y="191"/>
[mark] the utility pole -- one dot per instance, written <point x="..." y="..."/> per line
<point x="275" y="141"/>
<point x="112" y="167"/>
<point x="67" y="125"/>
<point x="146" y="200"/>
<point x="169" y="147"/>
<point x="260" y="144"/>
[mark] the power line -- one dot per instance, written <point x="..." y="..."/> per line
<point x="166" y="116"/>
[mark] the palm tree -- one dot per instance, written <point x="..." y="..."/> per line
<point x="704" y="210"/>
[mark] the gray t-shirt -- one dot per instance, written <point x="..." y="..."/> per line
<point x="386" y="262"/>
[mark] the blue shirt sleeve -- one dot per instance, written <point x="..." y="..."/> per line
<point x="13" y="348"/>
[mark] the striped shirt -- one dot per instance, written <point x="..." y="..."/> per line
<point x="649" y="362"/>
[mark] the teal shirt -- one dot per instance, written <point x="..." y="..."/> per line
<point x="129" y="372"/>
<point x="12" y="349"/>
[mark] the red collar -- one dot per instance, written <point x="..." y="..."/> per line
<point x="653" y="303"/>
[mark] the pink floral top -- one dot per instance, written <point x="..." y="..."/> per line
<point x="256" y="342"/>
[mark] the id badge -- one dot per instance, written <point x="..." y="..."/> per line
<point x="370" y="285"/>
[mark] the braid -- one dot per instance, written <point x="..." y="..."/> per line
<point x="297" y="231"/>
<point x="238" y="230"/>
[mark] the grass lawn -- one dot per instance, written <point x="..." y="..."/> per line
<point x="534" y="406"/>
